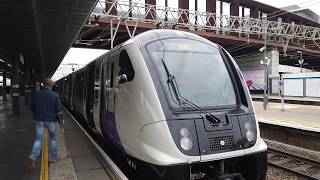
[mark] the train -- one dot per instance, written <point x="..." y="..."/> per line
<point x="171" y="105"/>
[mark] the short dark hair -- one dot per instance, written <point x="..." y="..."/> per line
<point x="48" y="83"/>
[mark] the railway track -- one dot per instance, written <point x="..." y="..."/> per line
<point x="301" y="167"/>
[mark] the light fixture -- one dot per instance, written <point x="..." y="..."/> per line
<point x="2" y="60"/>
<point x="261" y="62"/>
<point x="9" y="65"/>
<point x="262" y="49"/>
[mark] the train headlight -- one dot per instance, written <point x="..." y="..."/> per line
<point x="250" y="136"/>
<point x="184" y="132"/>
<point x="186" y="143"/>
<point x="248" y="125"/>
<point x="249" y="130"/>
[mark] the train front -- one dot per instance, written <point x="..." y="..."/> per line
<point x="209" y="114"/>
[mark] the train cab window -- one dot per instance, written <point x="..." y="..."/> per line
<point x="125" y="65"/>
<point x="199" y="71"/>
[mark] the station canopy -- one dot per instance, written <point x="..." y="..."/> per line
<point x="41" y="30"/>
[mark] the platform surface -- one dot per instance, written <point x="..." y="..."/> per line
<point x="17" y="135"/>
<point x="78" y="159"/>
<point x="296" y="115"/>
<point x="84" y="156"/>
<point x="290" y="98"/>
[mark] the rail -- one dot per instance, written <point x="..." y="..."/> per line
<point x="297" y="165"/>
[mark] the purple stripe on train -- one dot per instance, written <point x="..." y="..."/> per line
<point x="110" y="129"/>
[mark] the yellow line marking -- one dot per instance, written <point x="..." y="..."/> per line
<point x="44" y="173"/>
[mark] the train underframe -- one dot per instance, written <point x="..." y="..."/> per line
<point x="248" y="167"/>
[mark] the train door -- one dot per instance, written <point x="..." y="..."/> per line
<point x="97" y="96"/>
<point x="90" y="94"/>
<point x="108" y="119"/>
<point x="110" y="123"/>
<point x="85" y="94"/>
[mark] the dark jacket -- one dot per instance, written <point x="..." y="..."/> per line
<point x="45" y="105"/>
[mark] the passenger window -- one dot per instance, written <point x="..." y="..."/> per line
<point x="125" y="66"/>
<point x="111" y="78"/>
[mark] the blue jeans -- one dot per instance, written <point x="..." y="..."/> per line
<point x="40" y="129"/>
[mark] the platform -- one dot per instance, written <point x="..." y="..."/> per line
<point x="289" y="99"/>
<point x="295" y="115"/>
<point x="17" y="135"/>
<point x="78" y="158"/>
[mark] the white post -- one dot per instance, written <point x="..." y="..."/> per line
<point x="281" y="92"/>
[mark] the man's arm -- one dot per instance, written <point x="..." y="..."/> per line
<point x="58" y="105"/>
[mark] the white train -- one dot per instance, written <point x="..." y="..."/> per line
<point x="171" y="105"/>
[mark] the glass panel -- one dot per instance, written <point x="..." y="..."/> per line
<point x="199" y="70"/>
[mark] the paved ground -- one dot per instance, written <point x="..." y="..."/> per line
<point x="287" y="97"/>
<point x="295" y="114"/>
<point x="16" y="139"/>
<point x="78" y="157"/>
<point x="84" y="156"/>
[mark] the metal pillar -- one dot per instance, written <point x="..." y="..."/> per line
<point x="234" y="11"/>
<point x="183" y="4"/>
<point x="111" y="6"/>
<point x="234" y="8"/>
<point x="15" y="84"/>
<point x="152" y="13"/>
<point x="266" y="72"/>
<point x="254" y="13"/>
<point x="4" y="83"/>
<point x="32" y="81"/>
<point x="211" y="6"/>
<point x="27" y="85"/>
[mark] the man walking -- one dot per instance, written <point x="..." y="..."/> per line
<point x="45" y="106"/>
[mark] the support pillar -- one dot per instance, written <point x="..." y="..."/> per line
<point x="15" y="84"/>
<point x="254" y="13"/>
<point x="234" y="11"/>
<point x="234" y="8"/>
<point x="212" y="8"/>
<point x="32" y="81"/>
<point x="27" y="85"/>
<point x="4" y="83"/>
<point x="183" y="4"/>
<point x="152" y="13"/>
<point x="273" y="79"/>
<point x="111" y="6"/>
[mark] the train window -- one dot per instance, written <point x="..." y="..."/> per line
<point x="125" y="65"/>
<point x="200" y="72"/>
<point x="112" y="71"/>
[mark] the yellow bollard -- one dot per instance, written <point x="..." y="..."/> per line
<point x="44" y="173"/>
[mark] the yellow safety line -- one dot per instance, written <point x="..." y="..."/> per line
<point x="44" y="173"/>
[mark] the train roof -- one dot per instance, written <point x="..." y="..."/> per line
<point x="157" y="34"/>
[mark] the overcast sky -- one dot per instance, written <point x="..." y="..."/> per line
<point x="84" y="56"/>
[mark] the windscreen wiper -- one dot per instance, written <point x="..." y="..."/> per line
<point x="171" y="79"/>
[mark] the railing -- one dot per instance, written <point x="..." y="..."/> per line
<point x="299" y="35"/>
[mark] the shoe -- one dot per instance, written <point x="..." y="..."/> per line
<point x="32" y="164"/>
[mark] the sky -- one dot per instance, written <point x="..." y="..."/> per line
<point x="84" y="56"/>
